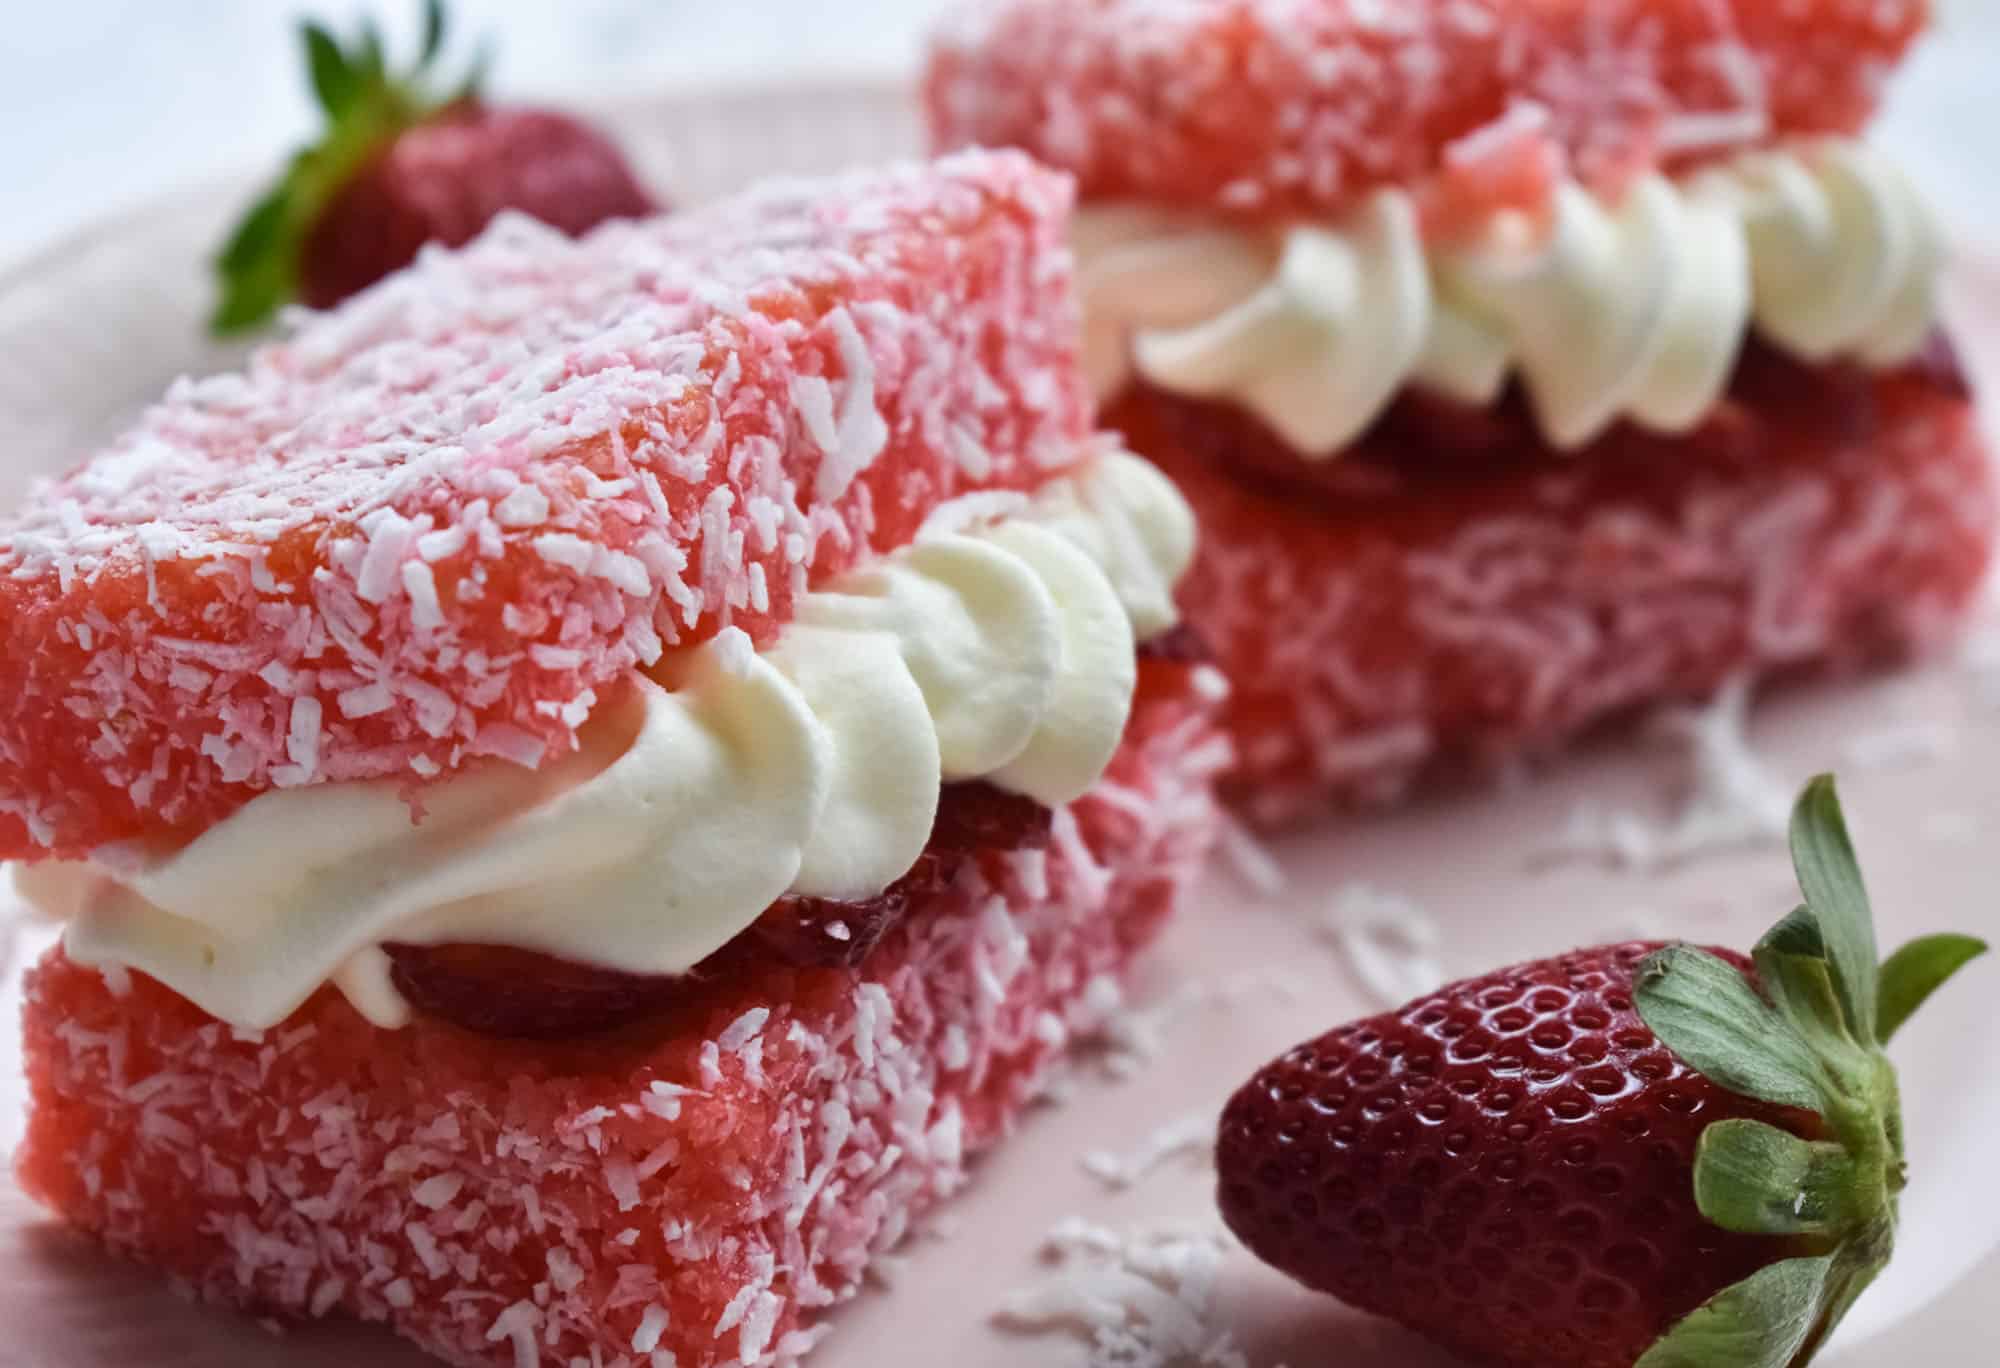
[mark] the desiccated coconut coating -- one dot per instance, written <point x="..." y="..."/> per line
<point x="694" y="1191"/>
<point x="1451" y="596"/>
<point x="1288" y="106"/>
<point x="427" y="525"/>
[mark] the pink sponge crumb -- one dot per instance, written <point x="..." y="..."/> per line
<point x="694" y="1192"/>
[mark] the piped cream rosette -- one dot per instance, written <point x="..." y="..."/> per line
<point x="1630" y="310"/>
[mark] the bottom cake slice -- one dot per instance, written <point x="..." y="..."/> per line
<point x="1452" y="596"/>
<point x="690" y="1191"/>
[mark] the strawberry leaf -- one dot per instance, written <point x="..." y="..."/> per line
<point x="1817" y="1028"/>
<point x="369" y="62"/>
<point x="1853" y="1273"/>
<point x="1915" y="972"/>
<point x="334" y="81"/>
<point x="255" y="233"/>
<point x="251" y="296"/>
<point x="1798" y="979"/>
<point x="1798" y="934"/>
<point x="1706" y="1012"/>
<point x="433" y="39"/>
<point x="1755" y="1179"/>
<point x="258" y="265"/>
<point x="1761" y="1322"/>
<point x="1830" y="877"/>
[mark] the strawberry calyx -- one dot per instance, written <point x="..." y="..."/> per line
<point x="367" y="107"/>
<point x="1807" y="1034"/>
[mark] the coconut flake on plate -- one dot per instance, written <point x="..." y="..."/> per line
<point x="1126" y="1039"/>
<point x="1388" y="941"/>
<point x="1145" y="1300"/>
<point x="1192" y="1135"/>
<point x="1731" y="799"/>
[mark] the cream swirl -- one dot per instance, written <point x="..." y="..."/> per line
<point x="1634" y="310"/>
<point x="1845" y="257"/>
<point x="1332" y="335"/>
<point x="999" y="645"/>
<point x="1637" y="312"/>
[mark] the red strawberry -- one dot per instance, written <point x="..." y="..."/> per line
<point x="512" y="994"/>
<point x="818" y="933"/>
<point x="1636" y="1154"/>
<point x="443" y="180"/>
<point x="399" y="167"/>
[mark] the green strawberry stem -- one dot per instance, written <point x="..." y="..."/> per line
<point x="1809" y="1035"/>
<point x="366" y="107"/>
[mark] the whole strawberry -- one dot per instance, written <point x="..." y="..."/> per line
<point x="399" y="167"/>
<point x="1636" y="1154"/>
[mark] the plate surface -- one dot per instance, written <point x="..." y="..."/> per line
<point x="94" y="328"/>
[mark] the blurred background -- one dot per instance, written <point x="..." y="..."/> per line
<point x="105" y="104"/>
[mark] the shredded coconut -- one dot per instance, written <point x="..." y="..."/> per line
<point x="1389" y="941"/>
<point x="1140" y="1301"/>
<point x="1127" y="1039"/>
<point x="1250" y="860"/>
<point x="517" y="1324"/>
<point x="439" y="1191"/>
<point x="1730" y="798"/>
<point x="1192" y="1135"/>
<point x="739" y="1031"/>
<point x="651" y="1326"/>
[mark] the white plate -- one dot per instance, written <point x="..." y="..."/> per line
<point x="92" y="329"/>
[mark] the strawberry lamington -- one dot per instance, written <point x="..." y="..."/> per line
<point x="585" y="784"/>
<point x="1527" y="363"/>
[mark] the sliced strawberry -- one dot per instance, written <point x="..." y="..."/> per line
<point x="521" y="994"/>
<point x="1426" y="439"/>
<point x="977" y="817"/>
<point x="827" y="933"/>
<point x="497" y="990"/>
<point x="1168" y="662"/>
<point x="1181" y="644"/>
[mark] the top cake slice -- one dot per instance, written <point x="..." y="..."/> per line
<point x="426" y="527"/>
<point x="1286" y="106"/>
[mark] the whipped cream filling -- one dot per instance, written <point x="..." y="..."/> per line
<point x="999" y="646"/>
<point x="1630" y="310"/>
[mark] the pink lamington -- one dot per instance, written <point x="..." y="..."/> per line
<point x="693" y="1192"/>
<point x="1304" y="224"/>
<point x="1278" y="107"/>
<point x="427" y="526"/>
<point x="1405" y="621"/>
<point x="418" y="540"/>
